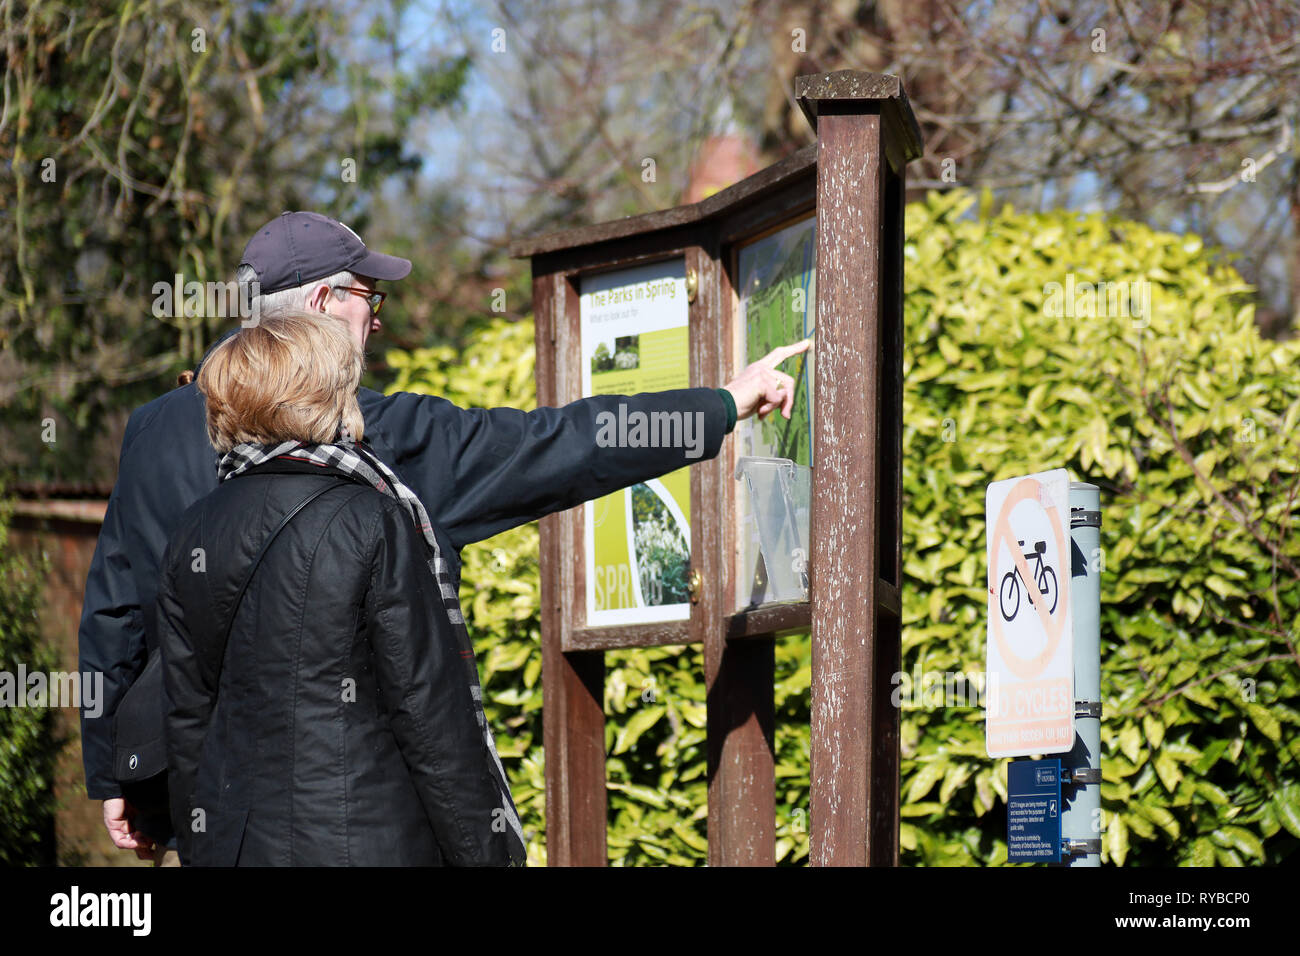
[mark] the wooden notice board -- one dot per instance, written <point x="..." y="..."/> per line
<point x="688" y="297"/>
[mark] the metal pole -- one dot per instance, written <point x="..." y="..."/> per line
<point x="1081" y="796"/>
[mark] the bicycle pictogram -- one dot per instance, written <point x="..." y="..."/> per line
<point x="1044" y="578"/>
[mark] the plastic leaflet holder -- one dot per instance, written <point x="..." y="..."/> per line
<point x="780" y="494"/>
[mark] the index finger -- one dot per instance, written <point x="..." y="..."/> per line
<point x="778" y="355"/>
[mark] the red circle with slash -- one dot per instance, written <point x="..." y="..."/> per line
<point x="1027" y="668"/>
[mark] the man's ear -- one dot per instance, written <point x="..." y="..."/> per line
<point x="318" y="296"/>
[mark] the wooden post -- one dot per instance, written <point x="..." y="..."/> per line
<point x="573" y="682"/>
<point x="865" y="136"/>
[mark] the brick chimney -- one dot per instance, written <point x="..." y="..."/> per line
<point x="721" y="161"/>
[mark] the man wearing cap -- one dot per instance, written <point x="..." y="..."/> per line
<point x="302" y="259"/>
<point x="478" y="471"/>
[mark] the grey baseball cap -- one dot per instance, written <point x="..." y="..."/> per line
<point x="296" y="247"/>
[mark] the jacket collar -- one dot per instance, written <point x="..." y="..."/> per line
<point x="288" y="464"/>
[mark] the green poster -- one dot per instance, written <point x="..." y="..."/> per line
<point x="777" y="290"/>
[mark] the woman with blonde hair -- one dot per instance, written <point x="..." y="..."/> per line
<point x="323" y="705"/>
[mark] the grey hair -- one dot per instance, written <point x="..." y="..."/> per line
<point x="292" y="298"/>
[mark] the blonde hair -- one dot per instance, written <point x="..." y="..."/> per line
<point x="291" y="377"/>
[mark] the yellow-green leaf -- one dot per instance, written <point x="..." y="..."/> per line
<point x="1202" y="852"/>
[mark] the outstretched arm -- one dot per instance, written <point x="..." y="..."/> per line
<point x="481" y="471"/>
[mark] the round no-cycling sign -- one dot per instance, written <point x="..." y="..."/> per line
<point x="1030" y="648"/>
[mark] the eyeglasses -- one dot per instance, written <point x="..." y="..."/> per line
<point x="373" y="298"/>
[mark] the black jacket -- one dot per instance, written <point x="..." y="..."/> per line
<point x="477" y="471"/>
<point x="336" y="727"/>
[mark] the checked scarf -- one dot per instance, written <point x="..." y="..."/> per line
<point x="354" y="459"/>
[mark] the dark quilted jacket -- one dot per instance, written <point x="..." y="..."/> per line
<point x="335" y="727"/>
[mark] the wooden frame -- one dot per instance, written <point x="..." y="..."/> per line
<point x="866" y="135"/>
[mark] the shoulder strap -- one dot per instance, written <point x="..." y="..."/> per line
<point x="230" y="623"/>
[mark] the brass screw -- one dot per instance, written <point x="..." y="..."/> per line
<point x="693" y="586"/>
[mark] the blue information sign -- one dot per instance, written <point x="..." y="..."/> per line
<point x="1034" y="811"/>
